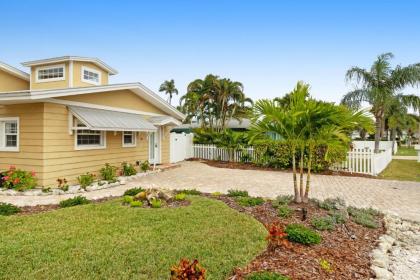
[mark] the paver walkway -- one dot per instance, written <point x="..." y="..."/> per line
<point x="398" y="197"/>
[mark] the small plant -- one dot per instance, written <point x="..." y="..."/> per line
<point x="77" y="200"/>
<point x="332" y="204"/>
<point x="266" y="275"/>
<point x="7" y="209"/>
<point x="189" y="191"/>
<point x="216" y="194"/>
<point x="323" y="223"/>
<point x="155" y="203"/>
<point x="18" y="180"/>
<point x="188" y="271"/>
<point x="85" y="180"/>
<point x="325" y="265"/>
<point x="301" y="234"/>
<point x="145" y="165"/>
<point x="277" y="237"/>
<point x="46" y="189"/>
<point x="109" y="173"/>
<point x="236" y="193"/>
<point x="127" y="169"/>
<point x="340" y="217"/>
<point x="249" y="201"/>
<point x="284" y="211"/>
<point x="282" y="200"/>
<point x="63" y="185"/>
<point x="133" y="191"/>
<point x="127" y="199"/>
<point x="364" y="216"/>
<point x="180" y="196"/>
<point x="136" y="203"/>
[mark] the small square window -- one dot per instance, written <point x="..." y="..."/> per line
<point x="129" y="139"/>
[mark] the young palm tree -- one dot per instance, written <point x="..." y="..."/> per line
<point x="379" y="86"/>
<point x="169" y="88"/>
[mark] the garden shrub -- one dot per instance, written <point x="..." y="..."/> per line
<point x="136" y="203"/>
<point x="301" y="234"/>
<point x="145" y="165"/>
<point x="340" y="217"/>
<point x="285" y="211"/>
<point x="127" y="199"/>
<point x="85" y="180"/>
<point x="109" y="173"/>
<point x="189" y="191"/>
<point x="249" y="201"/>
<point x="282" y="200"/>
<point x="133" y="191"/>
<point x="180" y="196"/>
<point x="332" y="204"/>
<point x="128" y="169"/>
<point x="277" y="237"/>
<point x="188" y="271"/>
<point x="323" y="223"/>
<point x="155" y="203"/>
<point x="325" y="265"/>
<point x="18" y="180"/>
<point x="364" y="216"/>
<point x="236" y="193"/>
<point x="266" y="275"/>
<point x="77" y="200"/>
<point x="216" y="194"/>
<point x="7" y="209"/>
<point x="62" y="184"/>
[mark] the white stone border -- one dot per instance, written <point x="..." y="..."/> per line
<point x="76" y="188"/>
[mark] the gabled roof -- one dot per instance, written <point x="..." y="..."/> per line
<point x="93" y="60"/>
<point x="14" y="71"/>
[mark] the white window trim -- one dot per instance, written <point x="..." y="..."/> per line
<point x="52" y="79"/>
<point x="82" y="76"/>
<point x="11" y="149"/>
<point x="89" y="147"/>
<point x="129" y="145"/>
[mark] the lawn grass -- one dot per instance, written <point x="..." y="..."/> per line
<point x="111" y="241"/>
<point x="406" y="151"/>
<point x="398" y="169"/>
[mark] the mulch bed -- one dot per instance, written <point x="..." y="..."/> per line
<point x="251" y="166"/>
<point x="346" y="248"/>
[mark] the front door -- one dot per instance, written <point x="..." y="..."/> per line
<point x="154" y="156"/>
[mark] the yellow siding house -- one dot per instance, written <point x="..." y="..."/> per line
<point x="64" y="119"/>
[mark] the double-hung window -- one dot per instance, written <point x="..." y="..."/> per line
<point x="91" y="76"/>
<point x="50" y="73"/>
<point x="129" y="139"/>
<point x="89" y="139"/>
<point x="9" y="134"/>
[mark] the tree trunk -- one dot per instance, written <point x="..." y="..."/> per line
<point x="308" y="177"/>
<point x="378" y="125"/>
<point x="297" y="195"/>
<point x="393" y="137"/>
<point x="302" y="149"/>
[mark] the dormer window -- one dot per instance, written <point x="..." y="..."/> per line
<point x="91" y="76"/>
<point x="50" y="73"/>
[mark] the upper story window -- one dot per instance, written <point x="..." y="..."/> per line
<point x="9" y="134"/>
<point x="50" y="73"/>
<point x="91" y="76"/>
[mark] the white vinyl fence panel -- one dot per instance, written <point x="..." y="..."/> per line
<point x="212" y="152"/>
<point x="181" y="146"/>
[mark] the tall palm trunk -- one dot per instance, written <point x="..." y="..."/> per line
<point x="308" y="176"/>
<point x="393" y="137"/>
<point x="297" y="195"/>
<point x="302" y="149"/>
<point x="378" y="125"/>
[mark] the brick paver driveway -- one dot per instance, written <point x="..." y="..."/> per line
<point x="402" y="198"/>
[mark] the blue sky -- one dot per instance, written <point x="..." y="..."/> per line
<point x="266" y="45"/>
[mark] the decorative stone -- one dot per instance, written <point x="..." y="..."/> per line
<point x="74" y="189"/>
<point x="32" y="192"/>
<point x="10" y="192"/>
<point x="382" y="273"/>
<point x="57" y="192"/>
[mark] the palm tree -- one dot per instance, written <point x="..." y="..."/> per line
<point x="379" y="86"/>
<point x="169" y="88"/>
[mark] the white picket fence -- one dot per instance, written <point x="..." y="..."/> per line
<point x="212" y="152"/>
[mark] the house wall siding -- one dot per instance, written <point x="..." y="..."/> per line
<point x="77" y="76"/>
<point x="50" y="85"/>
<point x="10" y="82"/>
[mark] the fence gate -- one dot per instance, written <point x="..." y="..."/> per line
<point x="181" y="146"/>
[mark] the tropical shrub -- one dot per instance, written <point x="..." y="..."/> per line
<point x="323" y="223"/>
<point x="7" y="209"/>
<point x="285" y="211"/>
<point x="277" y="237"/>
<point x="127" y="199"/>
<point x="189" y="191"/>
<point x="18" y="180"/>
<point x="270" y="153"/>
<point x="109" y="173"/>
<point x="145" y="165"/>
<point x="249" y="201"/>
<point x="128" y="169"/>
<point x="77" y="200"/>
<point x="301" y="234"/>
<point x="180" y="196"/>
<point x="364" y="216"/>
<point x="236" y="193"/>
<point x="85" y="180"/>
<point x="136" y="203"/>
<point x="155" y="203"/>
<point x="188" y="271"/>
<point x="266" y="275"/>
<point x="133" y="191"/>
<point x="282" y="200"/>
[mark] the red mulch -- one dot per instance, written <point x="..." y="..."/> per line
<point x="251" y="166"/>
<point x="346" y="248"/>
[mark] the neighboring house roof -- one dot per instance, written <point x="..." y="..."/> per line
<point x="105" y="120"/>
<point x="14" y="71"/>
<point x="93" y="60"/>
<point x="47" y="95"/>
<point x="232" y="123"/>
